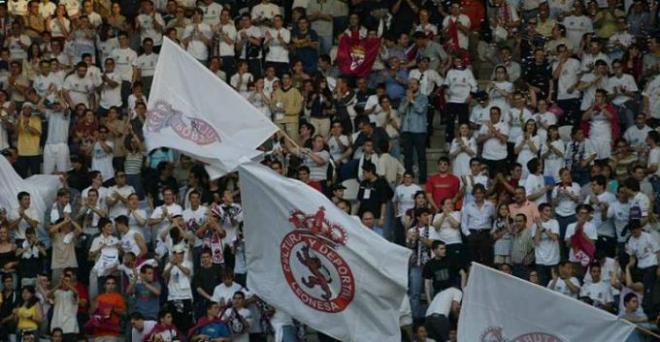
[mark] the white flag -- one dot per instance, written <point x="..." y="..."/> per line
<point x="499" y="307"/>
<point x="195" y="112"/>
<point x="312" y="261"/>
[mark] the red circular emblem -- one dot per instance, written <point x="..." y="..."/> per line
<point x="313" y="268"/>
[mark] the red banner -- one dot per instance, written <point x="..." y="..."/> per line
<point x="356" y="56"/>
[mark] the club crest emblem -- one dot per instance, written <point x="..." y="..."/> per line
<point x="163" y="115"/>
<point x="315" y="272"/>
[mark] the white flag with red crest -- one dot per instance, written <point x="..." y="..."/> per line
<point x="311" y="260"/>
<point x="195" y="112"/>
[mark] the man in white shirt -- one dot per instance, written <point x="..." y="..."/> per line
<point x="145" y="65"/>
<point x="428" y="79"/>
<point x="102" y="153"/>
<point x="624" y="88"/>
<point x="494" y="136"/>
<point x="444" y="304"/>
<point x="79" y="88"/>
<point x="567" y="73"/>
<point x="590" y="82"/>
<point x="125" y="63"/>
<point x="277" y="40"/>
<point x="211" y="12"/>
<point x="110" y="87"/>
<point x="588" y="234"/>
<point x="227" y="34"/>
<point x="178" y="274"/>
<point x="139" y="327"/>
<point x="197" y="37"/>
<point x="636" y="134"/>
<point x="118" y="196"/>
<point x="651" y="99"/>
<point x="162" y="216"/>
<point x="264" y="12"/>
<point x="23" y="217"/>
<point x="458" y="22"/>
<point x="56" y="149"/>
<point x="600" y="201"/>
<point x="46" y="83"/>
<point x="598" y="291"/>
<point x="250" y="40"/>
<point x="150" y="23"/>
<point x="577" y="24"/>
<point x="644" y="248"/>
<point x="546" y="243"/>
<point x="563" y="280"/>
<point x="459" y="83"/>
<point x="223" y="293"/>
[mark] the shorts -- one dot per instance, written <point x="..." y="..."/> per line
<point x="56" y="158"/>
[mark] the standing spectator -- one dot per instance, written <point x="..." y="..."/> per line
<point x="108" y="306"/>
<point x="463" y="149"/>
<point x="286" y="105"/>
<point x="521" y="205"/>
<point x="459" y="83"/>
<point x="226" y="33"/>
<point x="23" y="218"/>
<point x="456" y="27"/>
<point x="413" y="128"/>
<point x="580" y="238"/>
<point x="79" y="88"/>
<point x="444" y="306"/>
<point x="644" y="249"/>
<point x="276" y="41"/>
<point x="476" y="224"/>
<point x="374" y="194"/>
<point x="566" y="70"/>
<point x="419" y="242"/>
<point x="238" y="317"/>
<point x="501" y="234"/>
<point x="522" y="247"/>
<point x="249" y="45"/>
<point x="178" y="275"/>
<point x="56" y="149"/>
<point x="442" y="185"/>
<point x="494" y="135"/>
<point x="546" y="243"/>
<point x="65" y="298"/>
<point x="197" y="37"/>
<point x="563" y="280"/>
<point x="441" y="272"/>
<point x="125" y="63"/>
<point x="28" y="128"/>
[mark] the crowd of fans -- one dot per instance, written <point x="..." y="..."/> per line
<point x="550" y="113"/>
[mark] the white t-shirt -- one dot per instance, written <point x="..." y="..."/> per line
<point x="194" y="219"/>
<point x="619" y="213"/>
<point x="196" y="47"/>
<point x="278" y="51"/>
<point x="253" y="32"/>
<point x="494" y="148"/>
<point x="79" y="88"/>
<point x="428" y="80"/>
<point x="111" y="96"/>
<point x="335" y="147"/>
<point x="404" y="196"/>
<point x="547" y="251"/>
<point x="589" y="229"/>
<point x="119" y="208"/>
<point x="652" y="93"/>
<point x="441" y="303"/>
<point x="569" y="77"/>
<point x="644" y="248"/>
<point x="102" y="160"/>
<point x="211" y="13"/>
<point x="600" y="293"/>
<point x="147" y="64"/>
<point x="22" y="226"/>
<point x="576" y="27"/>
<point x="109" y="246"/>
<point x="444" y="232"/>
<point x="626" y="83"/>
<point x="224" y="293"/>
<point x="566" y="206"/>
<point x="562" y="288"/>
<point x="147" y="28"/>
<point x="460" y="83"/>
<point x="137" y="336"/>
<point x="225" y="49"/>
<point x="179" y="285"/>
<point x="125" y="59"/>
<point x="172" y="209"/>
<point x="604" y="227"/>
<point x="265" y="11"/>
<point x="589" y="94"/>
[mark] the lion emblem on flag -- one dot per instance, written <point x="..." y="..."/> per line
<point x="316" y="273"/>
<point x="494" y="334"/>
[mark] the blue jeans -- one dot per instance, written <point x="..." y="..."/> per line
<point x="416" y="289"/>
<point x="414" y="142"/>
<point x="655" y="182"/>
<point x="289" y="333"/>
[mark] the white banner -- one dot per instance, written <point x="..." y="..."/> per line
<point x="317" y="264"/>
<point x="499" y="307"/>
<point x="195" y="112"/>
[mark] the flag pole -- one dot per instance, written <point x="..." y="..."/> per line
<point x="289" y="140"/>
